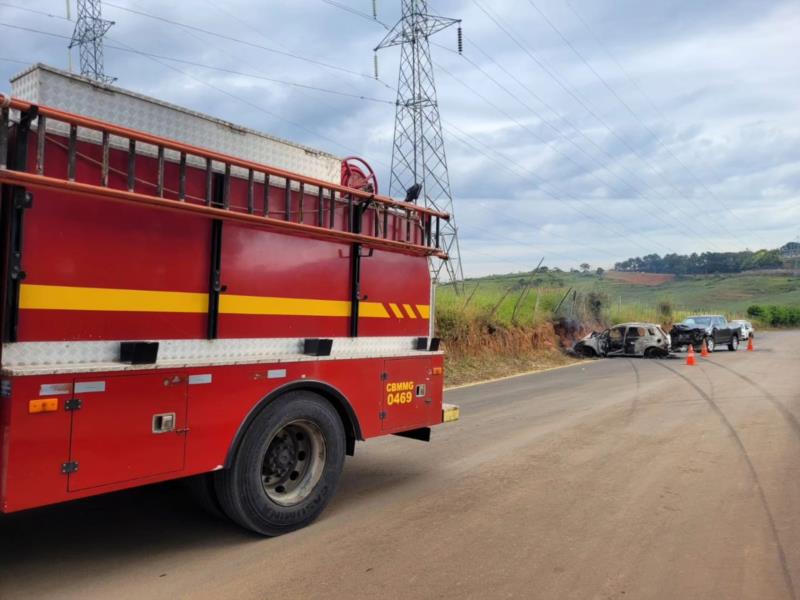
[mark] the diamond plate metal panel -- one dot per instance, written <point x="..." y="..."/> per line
<point x="31" y="358"/>
<point x="52" y="87"/>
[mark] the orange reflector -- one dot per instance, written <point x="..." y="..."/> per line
<point x="42" y="405"/>
<point x="437" y="370"/>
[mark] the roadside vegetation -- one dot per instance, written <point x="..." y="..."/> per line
<point x="505" y="324"/>
<point x="775" y="316"/>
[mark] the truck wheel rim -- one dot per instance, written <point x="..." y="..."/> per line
<point x="293" y="462"/>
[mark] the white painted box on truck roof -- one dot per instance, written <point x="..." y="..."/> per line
<point x="59" y="89"/>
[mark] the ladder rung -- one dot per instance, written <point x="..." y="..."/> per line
<point x="266" y="194"/>
<point x="209" y="181"/>
<point x="250" y="191"/>
<point x="131" y="164"/>
<point x="41" y="138"/>
<point x="71" y="149"/>
<point x="104" y="162"/>
<point x="160" y="185"/>
<point x="300" y="199"/>
<point x="182" y="177"/>
<point x="287" y="200"/>
<point x="226" y="187"/>
<point x="320" y="208"/>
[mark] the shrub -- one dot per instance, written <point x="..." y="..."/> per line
<point x="776" y="316"/>
<point x="665" y="310"/>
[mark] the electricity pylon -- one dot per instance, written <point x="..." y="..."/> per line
<point x="90" y="28"/>
<point x="418" y="155"/>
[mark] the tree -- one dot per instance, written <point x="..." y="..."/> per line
<point x="585" y="267"/>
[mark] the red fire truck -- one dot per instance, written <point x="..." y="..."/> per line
<point x="171" y="311"/>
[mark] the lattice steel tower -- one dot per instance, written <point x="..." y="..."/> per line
<point x="418" y="154"/>
<point x="90" y="28"/>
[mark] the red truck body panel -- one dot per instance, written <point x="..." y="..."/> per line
<point x="110" y="435"/>
<point x="99" y="273"/>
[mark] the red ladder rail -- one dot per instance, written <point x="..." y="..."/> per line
<point x="357" y="201"/>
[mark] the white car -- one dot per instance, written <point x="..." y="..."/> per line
<point x="746" y="327"/>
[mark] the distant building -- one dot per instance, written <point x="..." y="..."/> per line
<point x="790" y="255"/>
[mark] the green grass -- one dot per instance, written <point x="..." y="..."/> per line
<point x="728" y="294"/>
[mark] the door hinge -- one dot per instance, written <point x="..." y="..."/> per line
<point x="69" y="467"/>
<point x="73" y="404"/>
<point x="382" y="415"/>
<point x="384" y="376"/>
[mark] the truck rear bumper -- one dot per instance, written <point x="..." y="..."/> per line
<point x="450" y="412"/>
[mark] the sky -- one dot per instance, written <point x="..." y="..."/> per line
<point x="576" y="131"/>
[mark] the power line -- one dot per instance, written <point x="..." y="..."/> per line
<point x="648" y="249"/>
<point x="540" y="138"/>
<point x="558" y="192"/>
<point x="358" y="13"/>
<point x="563" y="136"/>
<point x="34" y="11"/>
<point x="216" y="5"/>
<point x="254" y="76"/>
<point x="14" y="60"/>
<point x="588" y="109"/>
<point x="239" y="41"/>
<point x="627" y="106"/>
<point x="467" y="140"/>
<point x="213" y="68"/>
<point x="198" y="80"/>
<point x="533" y="133"/>
<point x="645" y="95"/>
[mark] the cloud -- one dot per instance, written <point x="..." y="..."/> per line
<point x="547" y="163"/>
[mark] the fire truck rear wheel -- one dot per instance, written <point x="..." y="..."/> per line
<point x="287" y="467"/>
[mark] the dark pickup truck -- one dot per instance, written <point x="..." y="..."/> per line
<point x="714" y="329"/>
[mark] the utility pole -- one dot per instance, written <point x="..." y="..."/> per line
<point x="418" y="156"/>
<point x="90" y="27"/>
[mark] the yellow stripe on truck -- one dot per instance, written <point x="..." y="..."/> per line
<point x="59" y="297"/>
<point x="56" y="297"/>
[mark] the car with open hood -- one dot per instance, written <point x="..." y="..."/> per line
<point x="713" y="329"/>
<point x="627" y="339"/>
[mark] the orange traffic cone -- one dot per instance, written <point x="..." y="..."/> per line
<point x="704" y="349"/>
<point x="690" y="356"/>
<point x="750" y="346"/>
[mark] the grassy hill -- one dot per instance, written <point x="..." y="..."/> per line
<point x="621" y="300"/>
<point x="504" y="324"/>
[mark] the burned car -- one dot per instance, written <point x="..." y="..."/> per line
<point x="627" y="339"/>
<point x="713" y="329"/>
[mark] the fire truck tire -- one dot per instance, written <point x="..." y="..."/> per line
<point x="204" y="493"/>
<point x="287" y="466"/>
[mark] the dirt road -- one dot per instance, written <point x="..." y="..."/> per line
<point x="612" y="479"/>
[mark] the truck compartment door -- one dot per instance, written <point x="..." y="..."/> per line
<point x="126" y="427"/>
<point x="407" y="401"/>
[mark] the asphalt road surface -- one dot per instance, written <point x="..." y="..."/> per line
<point x="612" y="479"/>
